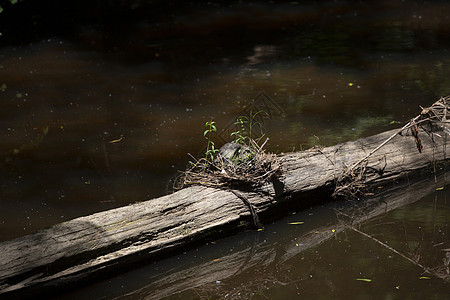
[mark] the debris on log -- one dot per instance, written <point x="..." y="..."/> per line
<point x="265" y="253"/>
<point x="96" y="246"/>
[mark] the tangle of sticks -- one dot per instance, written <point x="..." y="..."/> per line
<point x="350" y="183"/>
<point x="254" y="170"/>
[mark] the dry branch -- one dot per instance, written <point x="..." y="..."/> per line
<point x="263" y="254"/>
<point x="111" y="241"/>
<point x="438" y="274"/>
<point x="351" y="184"/>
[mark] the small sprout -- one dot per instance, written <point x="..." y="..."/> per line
<point x="364" y="279"/>
<point x="210" y="148"/>
<point x="246" y="128"/>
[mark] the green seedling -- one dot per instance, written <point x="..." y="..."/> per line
<point x="244" y="124"/>
<point x="210" y="128"/>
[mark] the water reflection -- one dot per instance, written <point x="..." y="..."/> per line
<point x="97" y="116"/>
<point x="313" y="254"/>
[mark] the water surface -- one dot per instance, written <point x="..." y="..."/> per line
<point x="101" y="107"/>
<point x="313" y="254"/>
<point x="95" y="117"/>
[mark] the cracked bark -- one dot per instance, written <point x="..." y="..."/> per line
<point x="96" y="246"/>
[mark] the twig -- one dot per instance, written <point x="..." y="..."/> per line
<point x="435" y="113"/>
<point x="390" y="248"/>
<point x="433" y="271"/>
<point x="382" y="144"/>
<point x="251" y="207"/>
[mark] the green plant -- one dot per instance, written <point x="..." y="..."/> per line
<point x="239" y="134"/>
<point x="210" y="128"/>
<point x="244" y="124"/>
<point x="250" y="165"/>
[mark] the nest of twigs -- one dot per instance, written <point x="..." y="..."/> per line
<point x="438" y="114"/>
<point x="254" y="170"/>
<point x="351" y="183"/>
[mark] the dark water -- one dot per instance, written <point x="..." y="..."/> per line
<point x="101" y="106"/>
<point x="317" y="259"/>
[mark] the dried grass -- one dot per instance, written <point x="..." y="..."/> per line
<point x="351" y="183"/>
<point x="221" y="172"/>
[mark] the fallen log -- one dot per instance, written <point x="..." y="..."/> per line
<point x="260" y="251"/>
<point x="95" y="246"/>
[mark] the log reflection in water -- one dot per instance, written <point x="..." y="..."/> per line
<point x="265" y="261"/>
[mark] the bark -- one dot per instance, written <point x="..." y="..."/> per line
<point x="91" y="247"/>
<point x="262" y="254"/>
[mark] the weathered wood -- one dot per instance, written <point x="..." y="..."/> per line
<point x="112" y="240"/>
<point x="261" y="251"/>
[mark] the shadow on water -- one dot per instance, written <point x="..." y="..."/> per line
<point x="314" y="254"/>
<point x="97" y="114"/>
<point x="102" y="101"/>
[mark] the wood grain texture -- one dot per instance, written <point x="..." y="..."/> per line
<point x="112" y="240"/>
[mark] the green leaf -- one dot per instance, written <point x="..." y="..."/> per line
<point x="1" y="9"/>
<point x="206" y="132"/>
<point x="364" y="279"/>
<point x="296" y="223"/>
<point x="439" y="188"/>
<point x="425" y="277"/>
<point x="13" y="1"/>
<point x="394" y="122"/>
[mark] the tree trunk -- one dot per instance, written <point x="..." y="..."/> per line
<point x="98" y="245"/>
<point x="264" y="253"/>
